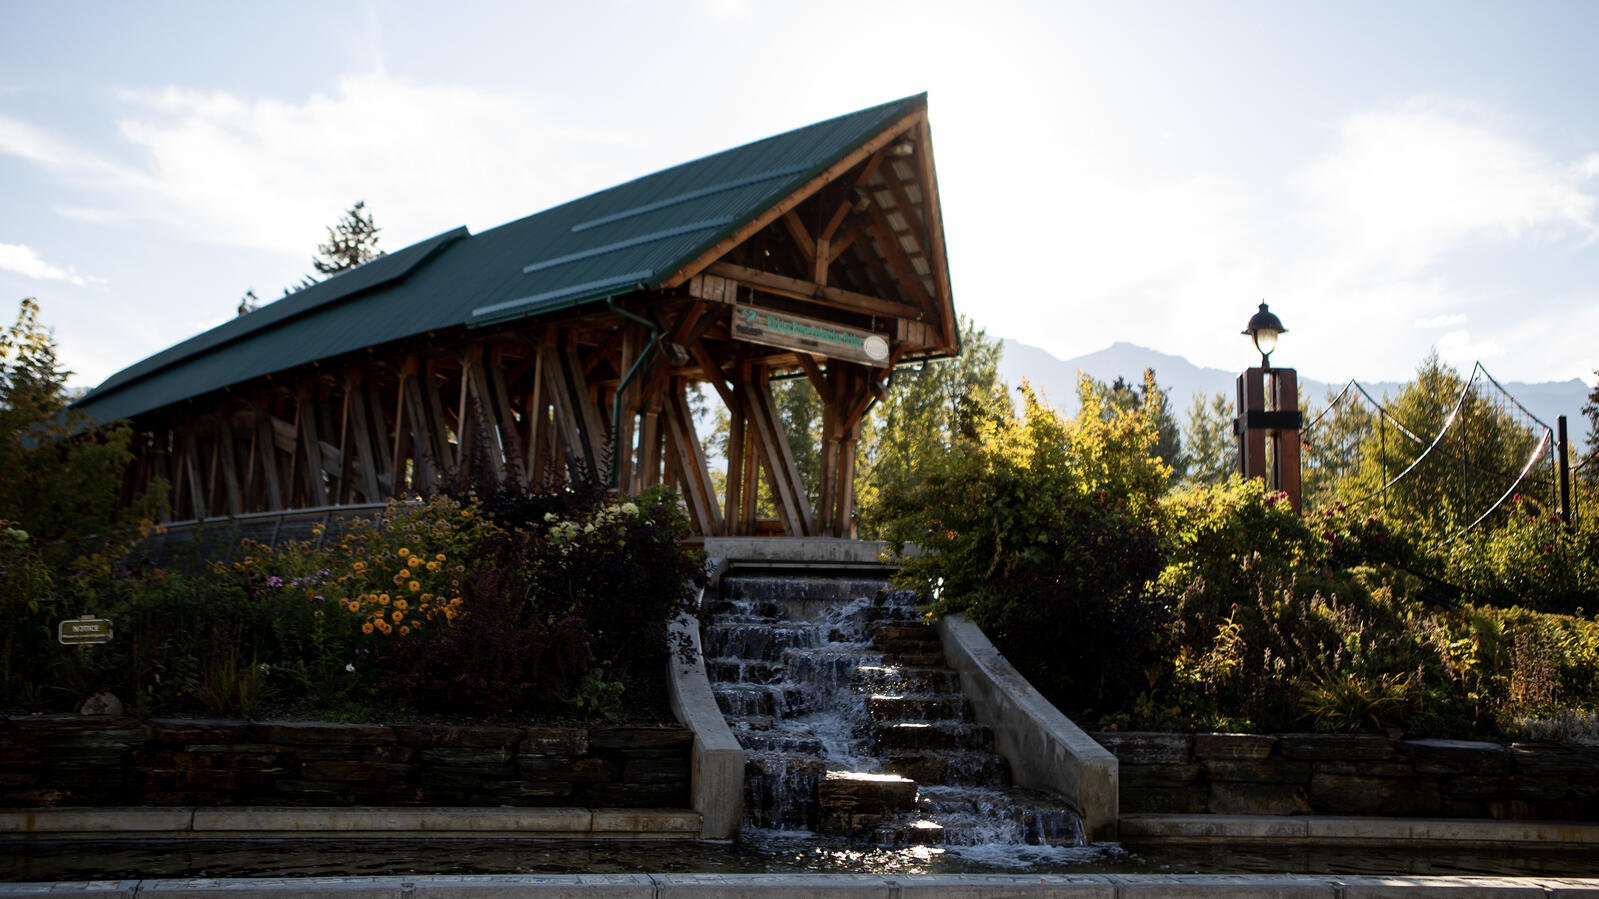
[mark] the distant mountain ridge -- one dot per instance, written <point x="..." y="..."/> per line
<point x="1182" y="379"/>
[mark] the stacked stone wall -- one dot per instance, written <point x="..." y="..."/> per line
<point x="1353" y="774"/>
<point x="76" y="760"/>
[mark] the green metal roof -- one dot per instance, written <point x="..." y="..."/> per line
<point x="629" y="237"/>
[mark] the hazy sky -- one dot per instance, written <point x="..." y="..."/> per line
<point x="1390" y="177"/>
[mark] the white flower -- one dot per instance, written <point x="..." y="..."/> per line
<point x="630" y="509"/>
<point x="350" y="667"/>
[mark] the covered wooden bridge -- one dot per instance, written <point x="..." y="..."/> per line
<point x="569" y="339"/>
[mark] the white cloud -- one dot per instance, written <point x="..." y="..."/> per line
<point x="1441" y="321"/>
<point x="25" y="261"/>
<point x="270" y="174"/>
<point x="1403" y="188"/>
<point x="1458" y="348"/>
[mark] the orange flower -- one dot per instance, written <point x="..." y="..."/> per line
<point x="401" y="604"/>
<point x="404" y="552"/>
<point x="397" y="615"/>
<point x="413" y="561"/>
<point x="404" y="630"/>
<point x="439" y="557"/>
<point x="415" y="586"/>
<point x="366" y="627"/>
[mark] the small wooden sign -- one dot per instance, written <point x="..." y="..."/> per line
<point x="810" y="335"/>
<point x="87" y="629"/>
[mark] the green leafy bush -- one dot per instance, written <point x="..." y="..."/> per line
<point x="1040" y="533"/>
<point x="1530" y="560"/>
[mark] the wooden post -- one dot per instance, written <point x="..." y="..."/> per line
<point x="1269" y="421"/>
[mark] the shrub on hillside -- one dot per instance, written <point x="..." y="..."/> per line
<point x="1529" y="560"/>
<point x="1041" y="533"/>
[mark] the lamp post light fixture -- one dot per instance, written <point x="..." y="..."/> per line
<point x="1263" y="329"/>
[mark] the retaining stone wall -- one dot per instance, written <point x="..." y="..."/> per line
<point x="1353" y="774"/>
<point x="77" y="760"/>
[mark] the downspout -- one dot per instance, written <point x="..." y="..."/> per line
<point x="616" y="402"/>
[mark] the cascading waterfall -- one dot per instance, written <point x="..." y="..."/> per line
<point x="853" y="726"/>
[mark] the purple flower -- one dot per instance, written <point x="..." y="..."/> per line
<point x="274" y="581"/>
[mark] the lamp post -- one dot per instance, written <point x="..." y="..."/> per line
<point x="1268" y="420"/>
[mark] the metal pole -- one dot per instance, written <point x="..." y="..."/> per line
<point x="1565" y="471"/>
<point x="1382" y="429"/>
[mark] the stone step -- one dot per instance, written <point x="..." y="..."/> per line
<point x="907" y="632"/>
<point x="946" y="735"/>
<point x="780" y="790"/>
<point x="825" y="669"/>
<point x="778" y="743"/>
<point x="742" y="671"/>
<point x="983" y="815"/>
<point x="918" y="707"/>
<point x="766" y="642"/>
<point x="794" y="587"/>
<point x="745" y="608"/>
<point x="892" y="679"/>
<point x="893" y="614"/>
<point x="749" y="723"/>
<point x="855" y="804"/>
<point x="917" y="659"/>
<point x="765" y="700"/>
<point x="966" y="769"/>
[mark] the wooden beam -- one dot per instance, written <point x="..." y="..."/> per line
<point x="787" y="488"/>
<point x="831" y="173"/>
<point x="536" y="417"/>
<point x="898" y="262"/>
<point x="358" y="426"/>
<point x="189" y="461"/>
<point x="699" y="491"/>
<point x="812" y="292"/>
<point x="267" y="457"/>
<point x="814" y="374"/>
<point x="405" y="443"/>
<point x="443" y="461"/>
<point x="802" y="238"/>
<point x="315" y="476"/>
<point x="933" y="217"/>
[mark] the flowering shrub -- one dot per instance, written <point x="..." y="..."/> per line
<point x="1531" y="560"/>
<point x="429" y="605"/>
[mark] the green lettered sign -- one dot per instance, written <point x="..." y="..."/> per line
<point x="84" y="630"/>
<point x="810" y="335"/>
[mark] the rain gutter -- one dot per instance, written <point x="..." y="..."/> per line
<point x="616" y="402"/>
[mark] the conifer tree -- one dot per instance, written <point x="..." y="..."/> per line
<point x="351" y="242"/>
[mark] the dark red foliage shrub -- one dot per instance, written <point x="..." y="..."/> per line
<point x="507" y="653"/>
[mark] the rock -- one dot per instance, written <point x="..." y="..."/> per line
<point x="1163" y="800"/>
<point x="1232" y="746"/>
<point x="1457" y="757"/>
<point x="1354" y="795"/>
<point x="1257" y="799"/>
<point x="1258" y="771"/>
<point x="1148" y="748"/>
<point x="1339" y="747"/>
<point x="102" y="703"/>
